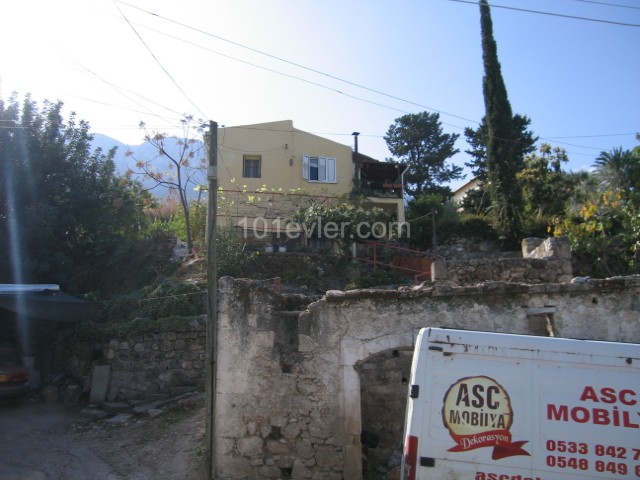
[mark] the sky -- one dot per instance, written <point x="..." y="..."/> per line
<point x="331" y="66"/>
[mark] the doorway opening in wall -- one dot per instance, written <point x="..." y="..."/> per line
<point x="384" y="385"/>
<point x="542" y="323"/>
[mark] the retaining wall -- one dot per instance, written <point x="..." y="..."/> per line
<point x="142" y="364"/>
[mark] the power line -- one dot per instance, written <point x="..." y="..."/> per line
<point x="222" y="146"/>
<point x="157" y="60"/>
<point x="596" y="136"/>
<point x="77" y="65"/>
<point x="305" y="68"/>
<point x="574" y="17"/>
<point x="298" y="65"/>
<point x="295" y="77"/>
<point x="271" y="70"/>
<point x="120" y="90"/>
<point x="382" y="136"/>
<point x="572" y="144"/>
<point x="291" y="76"/>
<point x="608" y="4"/>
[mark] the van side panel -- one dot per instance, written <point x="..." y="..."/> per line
<point x="511" y="407"/>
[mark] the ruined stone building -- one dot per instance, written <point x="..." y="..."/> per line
<point x="295" y="390"/>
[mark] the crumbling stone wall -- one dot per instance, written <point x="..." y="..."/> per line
<point x="288" y="390"/>
<point x="142" y="364"/>
<point x="159" y="362"/>
<point x="466" y="248"/>
<point x="525" y="270"/>
<point x="542" y="261"/>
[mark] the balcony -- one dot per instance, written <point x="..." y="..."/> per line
<point x="370" y="188"/>
<point x="377" y="179"/>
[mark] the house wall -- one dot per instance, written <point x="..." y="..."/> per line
<point x="461" y="192"/>
<point x="282" y="148"/>
<point x="281" y="189"/>
<point x="288" y="394"/>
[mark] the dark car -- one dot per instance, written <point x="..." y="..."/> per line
<point x="14" y="374"/>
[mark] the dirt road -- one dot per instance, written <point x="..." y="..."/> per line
<point x="48" y="441"/>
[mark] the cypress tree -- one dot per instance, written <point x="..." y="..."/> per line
<point x="503" y="161"/>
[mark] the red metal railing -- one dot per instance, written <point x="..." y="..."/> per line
<point x="415" y="263"/>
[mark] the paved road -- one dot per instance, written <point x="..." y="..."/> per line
<point x="35" y="444"/>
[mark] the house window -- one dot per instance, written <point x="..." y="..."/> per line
<point x="319" y="169"/>
<point x="251" y="166"/>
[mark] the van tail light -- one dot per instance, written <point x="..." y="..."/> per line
<point x="410" y="457"/>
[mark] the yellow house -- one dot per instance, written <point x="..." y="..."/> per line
<point x="278" y="156"/>
<point x="267" y="171"/>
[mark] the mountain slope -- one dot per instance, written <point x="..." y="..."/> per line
<point x="145" y="151"/>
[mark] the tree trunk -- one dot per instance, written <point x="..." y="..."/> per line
<point x="187" y="221"/>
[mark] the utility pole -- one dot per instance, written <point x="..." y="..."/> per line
<point x="212" y="299"/>
<point x="434" y="238"/>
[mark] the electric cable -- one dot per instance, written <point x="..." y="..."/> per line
<point x="608" y="4"/>
<point x="307" y="68"/>
<point x="158" y="61"/>
<point x="121" y="90"/>
<point x="313" y="70"/>
<point x="574" y="17"/>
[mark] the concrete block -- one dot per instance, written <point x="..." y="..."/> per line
<point x="100" y="383"/>
<point x="439" y="270"/>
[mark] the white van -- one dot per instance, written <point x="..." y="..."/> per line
<point x="493" y="406"/>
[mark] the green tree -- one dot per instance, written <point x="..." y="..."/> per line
<point x="423" y="214"/>
<point x="503" y="162"/>
<point x="417" y="140"/>
<point x="166" y="216"/>
<point x="63" y="211"/>
<point x="525" y="144"/>
<point x="232" y="258"/>
<point x="545" y="187"/>
<point x="435" y="221"/>
<point x="603" y="235"/>
<point x="619" y="170"/>
<point x="344" y="223"/>
<point x="476" y="202"/>
<point x="602" y="218"/>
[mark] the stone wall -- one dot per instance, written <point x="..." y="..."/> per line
<point x="516" y="270"/>
<point x="553" y="247"/>
<point x="288" y="400"/>
<point x="465" y="248"/>
<point x="542" y="261"/>
<point x="142" y="364"/>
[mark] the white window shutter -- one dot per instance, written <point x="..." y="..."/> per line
<point x="331" y="169"/>
<point x="305" y="167"/>
<point x="322" y="169"/>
